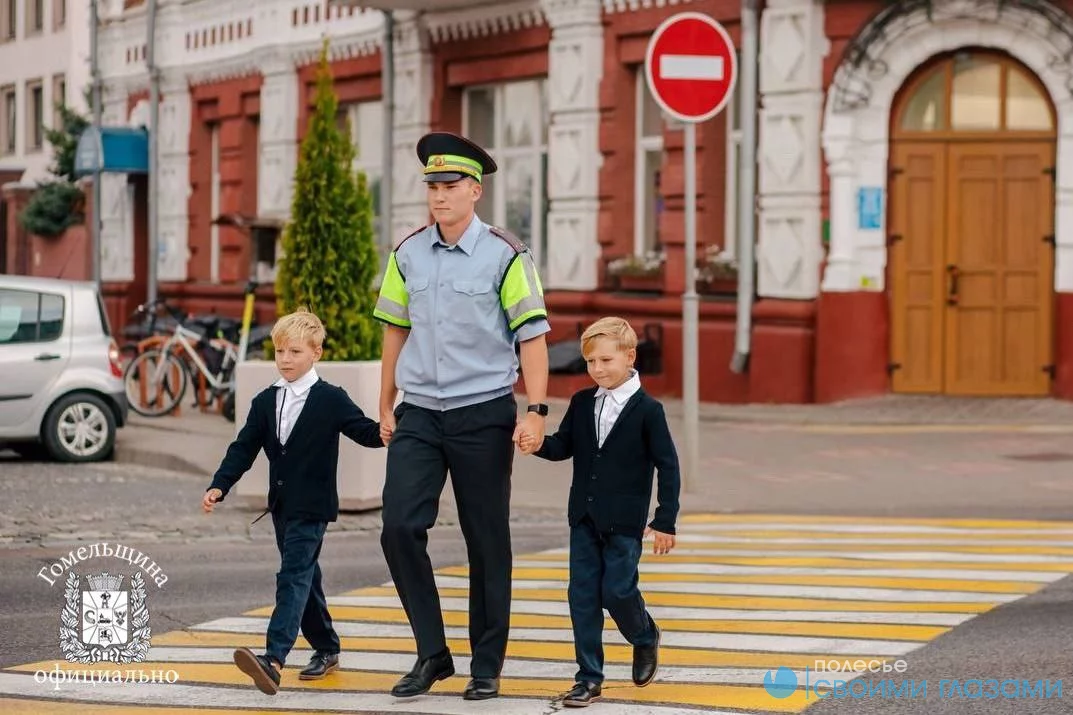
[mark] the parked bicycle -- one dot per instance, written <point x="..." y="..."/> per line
<point x="157" y="379"/>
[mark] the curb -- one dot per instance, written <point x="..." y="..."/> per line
<point x="156" y="460"/>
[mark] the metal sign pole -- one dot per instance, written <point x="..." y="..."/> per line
<point x="690" y="316"/>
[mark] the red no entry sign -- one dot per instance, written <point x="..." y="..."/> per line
<point x="691" y="66"/>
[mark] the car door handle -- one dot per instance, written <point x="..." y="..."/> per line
<point x="47" y="356"/>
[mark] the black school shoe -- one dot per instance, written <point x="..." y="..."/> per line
<point x="320" y="665"/>
<point x="582" y="695"/>
<point x="260" y="668"/>
<point x="646" y="661"/>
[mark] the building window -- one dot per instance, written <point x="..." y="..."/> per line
<point x="365" y="121"/>
<point x="35" y="116"/>
<point x="59" y="14"/>
<point x="510" y="121"/>
<point x="35" y="16"/>
<point x="8" y="19"/>
<point x="59" y="100"/>
<point x="9" y="107"/>
<point x="732" y="218"/>
<point x="648" y="201"/>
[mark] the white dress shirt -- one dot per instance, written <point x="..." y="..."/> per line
<point x="289" y="402"/>
<point x="609" y="404"/>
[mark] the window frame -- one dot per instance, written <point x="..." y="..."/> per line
<point x="643" y="146"/>
<point x="40" y="296"/>
<point x="373" y="169"/>
<point x="35" y="116"/>
<point x="34" y="20"/>
<point x="9" y="106"/>
<point x="538" y="153"/>
<point x="732" y="163"/>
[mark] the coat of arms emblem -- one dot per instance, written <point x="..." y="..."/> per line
<point x="105" y="622"/>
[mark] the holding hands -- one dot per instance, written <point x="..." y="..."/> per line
<point x="529" y="434"/>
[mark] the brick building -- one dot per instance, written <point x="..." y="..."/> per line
<point x="914" y="195"/>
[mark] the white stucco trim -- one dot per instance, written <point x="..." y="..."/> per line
<point x="856" y="142"/>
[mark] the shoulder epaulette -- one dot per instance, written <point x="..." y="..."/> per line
<point x="399" y="244"/>
<point x="513" y="241"/>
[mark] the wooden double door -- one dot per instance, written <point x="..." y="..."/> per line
<point x="971" y="266"/>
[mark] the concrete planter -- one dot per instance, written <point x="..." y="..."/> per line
<point x="361" y="470"/>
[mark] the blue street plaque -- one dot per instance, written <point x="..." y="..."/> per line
<point x="869" y="208"/>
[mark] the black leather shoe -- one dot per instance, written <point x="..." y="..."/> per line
<point x="481" y="689"/>
<point x="320" y="665"/>
<point x="260" y="668"/>
<point x="424" y="675"/>
<point x="581" y="695"/>
<point x="646" y="661"/>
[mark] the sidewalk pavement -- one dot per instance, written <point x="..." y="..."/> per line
<point x="196" y="440"/>
<point x="926" y="456"/>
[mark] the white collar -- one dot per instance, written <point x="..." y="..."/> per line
<point x="624" y="391"/>
<point x="301" y="385"/>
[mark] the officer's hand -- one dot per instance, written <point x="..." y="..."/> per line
<point x="208" y="503"/>
<point x="531" y="427"/>
<point x="387" y="426"/>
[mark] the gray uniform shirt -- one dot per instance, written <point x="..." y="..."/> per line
<point x="461" y="349"/>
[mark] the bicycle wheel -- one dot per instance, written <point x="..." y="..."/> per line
<point x="155" y="383"/>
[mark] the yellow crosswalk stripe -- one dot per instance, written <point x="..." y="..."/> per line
<point x="763" y="592"/>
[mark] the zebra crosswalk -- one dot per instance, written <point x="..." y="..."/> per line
<point x="741" y="596"/>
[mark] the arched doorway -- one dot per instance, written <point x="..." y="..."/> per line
<point x="971" y="229"/>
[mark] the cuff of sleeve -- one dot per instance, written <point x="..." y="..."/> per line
<point x="533" y="329"/>
<point x="662" y="528"/>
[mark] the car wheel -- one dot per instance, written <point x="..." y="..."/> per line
<point x="80" y="428"/>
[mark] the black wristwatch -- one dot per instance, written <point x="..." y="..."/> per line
<point x="540" y="408"/>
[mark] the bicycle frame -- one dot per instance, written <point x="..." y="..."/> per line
<point x="181" y="337"/>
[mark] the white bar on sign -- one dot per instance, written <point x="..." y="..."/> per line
<point x="703" y="67"/>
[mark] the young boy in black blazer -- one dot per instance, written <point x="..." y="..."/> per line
<point x="297" y="421"/>
<point x="617" y="436"/>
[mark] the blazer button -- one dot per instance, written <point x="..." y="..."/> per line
<point x="590" y="498"/>
<point x="279" y="483"/>
<point x="594" y="476"/>
<point x="283" y="451"/>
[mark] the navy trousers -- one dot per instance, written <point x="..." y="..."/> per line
<point x="603" y="574"/>
<point x="300" y="601"/>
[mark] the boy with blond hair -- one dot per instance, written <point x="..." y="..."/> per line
<point x="617" y="436"/>
<point x="297" y="422"/>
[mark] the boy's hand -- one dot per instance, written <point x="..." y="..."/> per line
<point x="527" y="443"/>
<point x="387" y="425"/>
<point x="663" y="542"/>
<point x="211" y="497"/>
<point x="531" y="427"/>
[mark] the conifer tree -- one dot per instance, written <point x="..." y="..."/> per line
<point x="329" y="257"/>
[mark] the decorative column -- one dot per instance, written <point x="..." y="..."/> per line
<point x="174" y="186"/>
<point x="278" y="156"/>
<point x="575" y="68"/>
<point x="792" y="48"/>
<point x="413" y="97"/>
<point x="842" y="173"/>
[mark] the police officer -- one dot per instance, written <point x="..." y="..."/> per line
<point x="456" y="297"/>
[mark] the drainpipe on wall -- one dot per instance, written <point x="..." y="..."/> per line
<point x="747" y="186"/>
<point x="95" y="83"/>
<point x="154" y="164"/>
<point x="387" y="58"/>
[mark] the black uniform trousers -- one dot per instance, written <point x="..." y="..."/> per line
<point x="474" y="444"/>
<point x="300" y="601"/>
